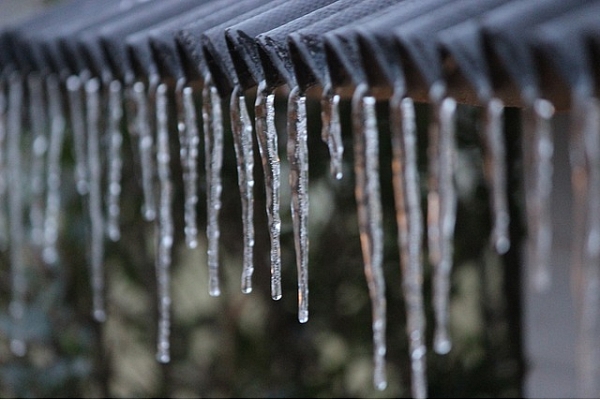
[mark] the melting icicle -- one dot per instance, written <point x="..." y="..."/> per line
<point x="3" y="173"/>
<point x="441" y="216"/>
<point x="165" y="224"/>
<point x="539" y="148"/>
<point x="410" y="232"/>
<point x="368" y="199"/>
<point x="267" y="144"/>
<point x="79" y="138"/>
<point x="115" y="161"/>
<point x="17" y="235"/>
<point x="241" y="126"/>
<point x="585" y="116"/>
<point x="37" y="117"/>
<point x="57" y="134"/>
<point x="297" y="152"/>
<point x="189" y="140"/>
<point x="331" y="132"/>
<point x="212" y="116"/>
<point x="495" y="172"/>
<point x="145" y="145"/>
<point x="92" y="90"/>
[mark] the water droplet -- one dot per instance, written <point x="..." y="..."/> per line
<point x="241" y="127"/>
<point x="297" y="151"/>
<point x="266" y="134"/>
<point x="368" y="199"/>
<point x="212" y="115"/>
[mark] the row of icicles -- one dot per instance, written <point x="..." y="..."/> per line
<point x="95" y="110"/>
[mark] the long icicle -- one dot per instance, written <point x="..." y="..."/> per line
<point x="539" y="148"/>
<point x="370" y="219"/>
<point x="145" y="145"/>
<point x="4" y="240"/>
<point x="53" y="178"/>
<point x="115" y="161"/>
<point x="297" y="152"/>
<point x="92" y="90"/>
<point x="77" y="119"/>
<point x="17" y="234"/>
<point x="165" y="224"/>
<point x="241" y="126"/>
<point x="331" y="131"/>
<point x="38" y="122"/>
<point x="212" y="115"/>
<point x="410" y="232"/>
<point x="495" y="173"/>
<point x="266" y="134"/>
<point x="443" y="196"/>
<point x="189" y="140"/>
<point x="585" y="146"/>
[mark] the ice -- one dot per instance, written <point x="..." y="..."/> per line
<point x="77" y="120"/>
<point x="331" y="131"/>
<point x="115" y="161"/>
<point x="297" y="152"/>
<point x="268" y="146"/>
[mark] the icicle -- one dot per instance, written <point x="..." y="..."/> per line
<point x="297" y="151"/>
<point x="585" y="117"/>
<point x="268" y="146"/>
<point x="441" y="215"/>
<point x="17" y="234"/>
<point x="241" y="126"/>
<point x="53" y="183"/>
<point x="368" y="199"/>
<point x="410" y="232"/>
<point x="78" y="128"/>
<point x="212" y="116"/>
<point x="495" y="172"/>
<point x="189" y="139"/>
<point x="92" y="90"/>
<point x="115" y="161"/>
<point x="331" y="131"/>
<point x="145" y="145"/>
<point x="37" y="118"/>
<point x="165" y="224"/>
<point x="539" y="148"/>
<point x="3" y="173"/>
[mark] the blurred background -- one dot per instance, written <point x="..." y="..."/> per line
<point x="240" y="345"/>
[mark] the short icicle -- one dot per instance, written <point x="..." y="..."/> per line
<point x="539" y="148"/>
<point x="441" y="213"/>
<point x="297" y="152"/>
<point x="145" y="145"/>
<point x="38" y="125"/>
<point x="77" y="119"/>
<point x="410" y="232"/>
<point x="115" y="161"/>
<point x="212" y="116"/>
<point x="92" y="90"/>
<point x="266" y="134"/>
<point x="368" y="199"/>
<point x="241" y="127"/>
<point x="331" y="131"/>
<point x="495" y="173"/>
<point x="14" y="165"/>
<point x="53" y="179"/>
<point x="164" y="224"/>
<point x="189" y="140"/>
<point x="585" y="150"/>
